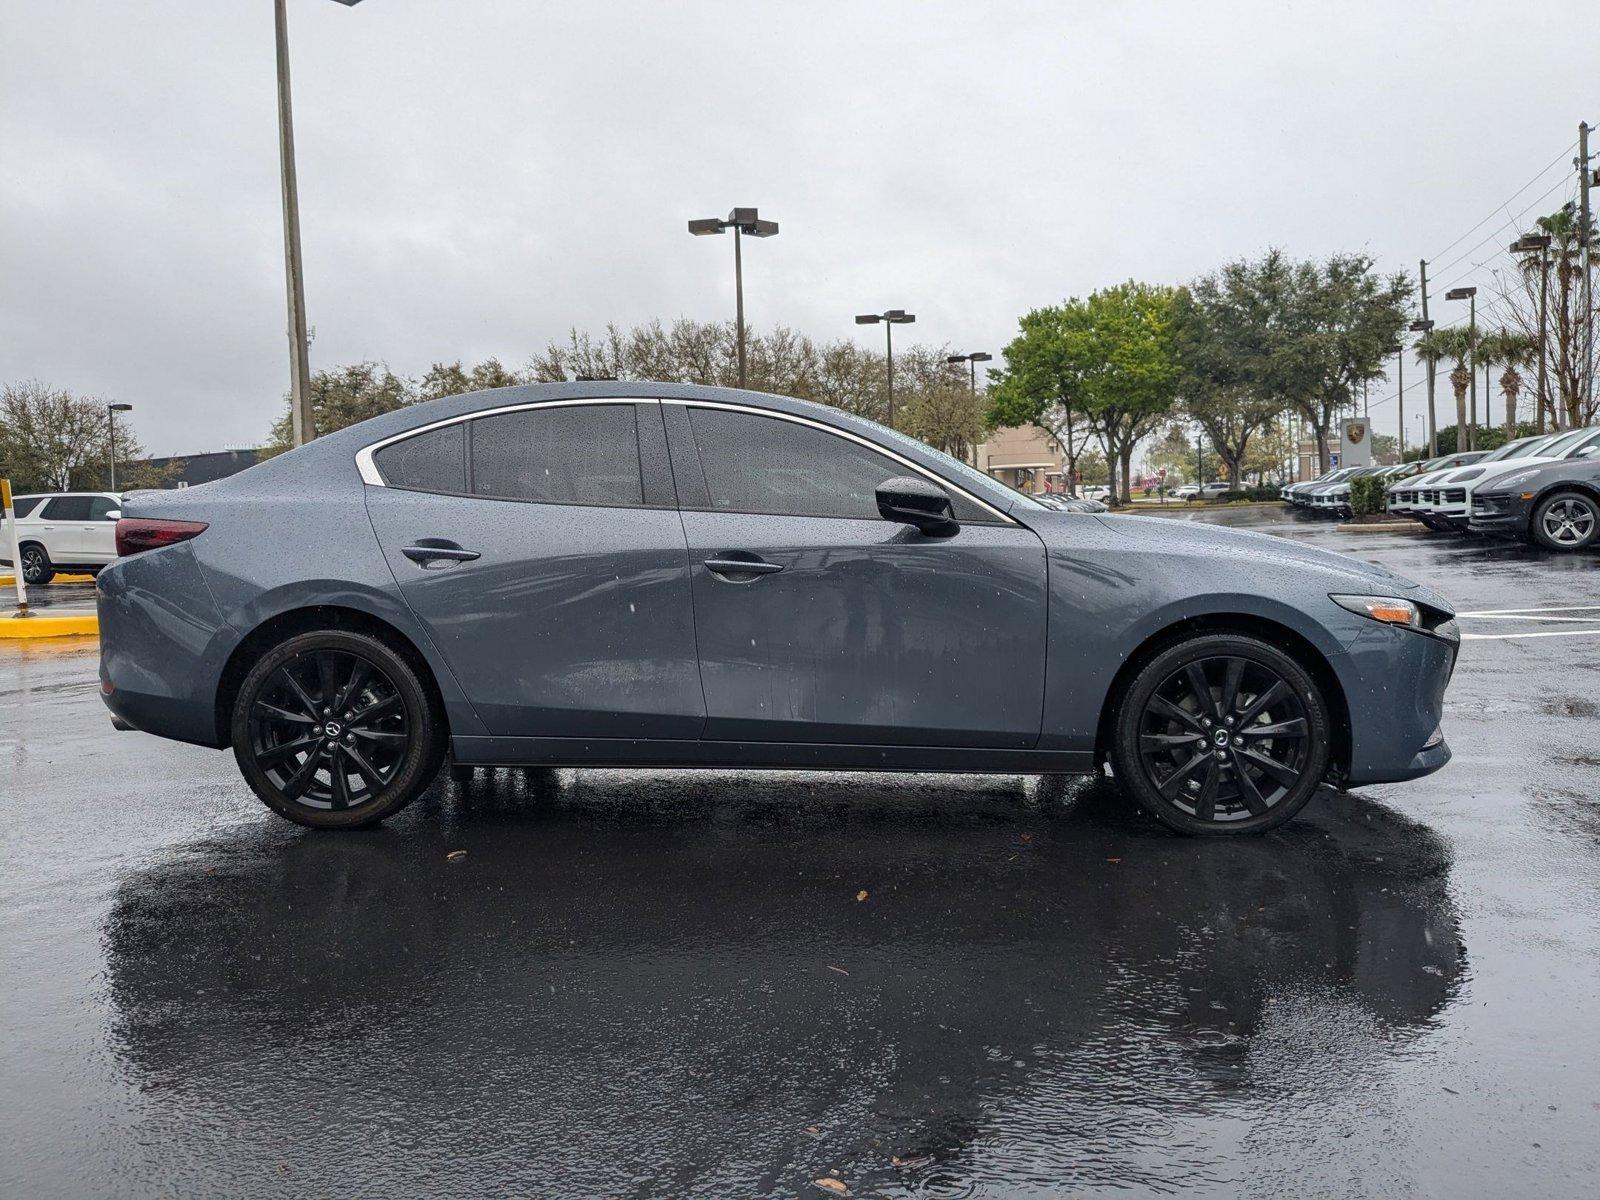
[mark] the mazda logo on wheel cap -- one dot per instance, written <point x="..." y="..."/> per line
<point x="333" y="729"/>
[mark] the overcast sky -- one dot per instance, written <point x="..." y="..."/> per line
<point x="477" y="176"/>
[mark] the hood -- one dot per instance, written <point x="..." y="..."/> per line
<point x="1167" y="535"/>
<point x="1504" y="467"/>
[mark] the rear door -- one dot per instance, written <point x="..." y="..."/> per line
<point x="819" y="621"/>
<point x="542" y="549"/>
<point x="64" y="528"/>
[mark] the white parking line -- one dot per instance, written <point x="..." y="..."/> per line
<point x="1508" y="612"/>
<point x="1517" y="617"/>
<point x="1501" y="637"/>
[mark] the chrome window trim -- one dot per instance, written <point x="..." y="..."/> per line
<point x="373" y="478"/>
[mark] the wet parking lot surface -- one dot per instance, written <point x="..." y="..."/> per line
<point x="602" y="983"/>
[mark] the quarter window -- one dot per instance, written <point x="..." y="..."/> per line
<point x="756" y="464"/>
<point x="435" y="461"/>
<point x="584" y="454"/>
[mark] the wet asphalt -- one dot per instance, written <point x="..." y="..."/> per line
<point x="724" y="985"/>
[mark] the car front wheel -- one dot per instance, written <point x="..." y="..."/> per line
<point x="1222" y="734"/>
<point x="1567" y="521"/>
<point x="334" y="729"/>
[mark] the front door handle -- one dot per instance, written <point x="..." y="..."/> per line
<point x="439" y="550"/>
<point x="751" y="566"/>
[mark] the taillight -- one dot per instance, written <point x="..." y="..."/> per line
<point x="141" y="533"/>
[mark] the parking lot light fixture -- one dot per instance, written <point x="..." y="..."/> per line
<point x="745" y="222"/>
<point x="111" y="423"/>
<point x="1530" y="244"/>
<point x="889" y="319"/>
<point x="972" y="360"/>
<point x="1470" y="294"/>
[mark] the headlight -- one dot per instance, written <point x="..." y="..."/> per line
<point x="1510" y="482"/>
<point x="1391" y="610"/>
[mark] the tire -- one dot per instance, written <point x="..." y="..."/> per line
<point x="1198" y="772"/>
<point x="324" y="707"/>
<point x="37" y="569"/>
<point x="1566" y="521"/>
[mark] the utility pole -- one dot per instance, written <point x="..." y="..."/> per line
<point x="1586" y="242"/>
<point x="299" y="356"/>
<point x="1400" y="395"/>
<point x="1433" y="425"/>
<point x="1472" y="341"/>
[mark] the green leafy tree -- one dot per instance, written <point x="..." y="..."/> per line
<point x="344" y="396"/>
<point x="53" y="440"/>
<point x="1042" y="383"/>
<point x="1513" y="351"/>
<point x="452" y="379"/>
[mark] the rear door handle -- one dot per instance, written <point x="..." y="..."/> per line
<point x="751" y="566"/>
<point x="428" y="550"/>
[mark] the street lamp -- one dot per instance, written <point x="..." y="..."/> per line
<point x="1423" y="327"/>
<point x="111" y="422"/>
<point x="895" y="316"/>
<point x="1528" y="243"/>
<point x="299" y="352"/>
<point x="973" y="359"/>
<point x="744" y="222"/>
<point x="1470" y="294"/>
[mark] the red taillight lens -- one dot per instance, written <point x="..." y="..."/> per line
<point x="139" y="533"/>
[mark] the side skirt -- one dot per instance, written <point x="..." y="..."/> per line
<point x="793" y="756"/>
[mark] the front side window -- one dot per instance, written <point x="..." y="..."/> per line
<point x="758" y="464"/>
<point x="584" y="454"/>
<point x="101" y="508"/>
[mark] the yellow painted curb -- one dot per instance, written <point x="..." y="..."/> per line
<point x="10" y="581"/>
<point x="17" y="628"/>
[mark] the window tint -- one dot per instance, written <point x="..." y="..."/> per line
<point x="430" y="462"/>
<point x="574" y="455"/>
<point x="99" y="506"/>
<point x="23" y="505"/>
<point x="67" y="508"/>
<point x="756" y="464"/>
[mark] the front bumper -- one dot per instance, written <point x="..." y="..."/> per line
<point x="1503" y="516"/>
<point x="1394" y="682"/>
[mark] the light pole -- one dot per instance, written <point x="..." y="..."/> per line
<point x="895" y="316"/>
<point x="111" y="424"/>
<point x="299" y="353"/>
<point x="1423" y="327"/>
<point x="1470" y="294"/>
<point x="1400" y="394"/>
<point x="743" y="221"/>
<point x="972" y="360"/>
<point x="1527" y="244"/>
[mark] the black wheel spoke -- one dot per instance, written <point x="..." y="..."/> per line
<point x="1278" y="691"/>
<point x="273" y="712"/>
<point x="1170" y="784"/>
<point x="1167" y="741"/>
<point x="1287" y="776"/>
<point x="1248" y="791"/>
<point x="1230" y="685"/>
<point x="1202" y="690"/>
<point x="374" y="710"/>
<point x="300" y="693"/>
<point x="1177" y="712"/>
<point x="1205" y="804"/>
<point x="285" y="750"/>
<point x="373" y="777"/>
<point x="360" y="672"/>
<point x="379" y="735"/>
<point x="341" y="781"/>
<point x="301" y="779"/>
<point x="326" y="671"/>
<point x="1295" y="728"/>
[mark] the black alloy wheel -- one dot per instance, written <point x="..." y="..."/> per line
<point x="334" y="730"/>
<point x="1220" y="734"/>
<point x="37" y="570"/>
<point x="1567" y="521"/>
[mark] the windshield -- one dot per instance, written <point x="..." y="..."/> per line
<point x="961" y="472"/>
<point x="1571" y="441"/>
<point x="1517" y="449"/>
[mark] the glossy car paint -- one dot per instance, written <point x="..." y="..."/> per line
<point x="1499" y="507"/>
<point x="567" y="641"/>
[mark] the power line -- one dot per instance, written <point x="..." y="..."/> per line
<point x="1499" y="229"/>
<point x="1497" y="208"/>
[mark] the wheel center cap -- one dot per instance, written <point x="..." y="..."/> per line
<point x="1219" y="737"/>
<point x="333" y="729"/>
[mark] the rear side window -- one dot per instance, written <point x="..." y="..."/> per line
<point x="435" y="461"/>
<point x="23" y="505"/>
<point x="582" y="454"/>
<point x="67" y="508"/>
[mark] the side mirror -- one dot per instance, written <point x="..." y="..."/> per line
<point x="114" y="514"/>
<point x="912" y="501"/>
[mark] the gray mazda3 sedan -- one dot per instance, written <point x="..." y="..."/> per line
<point x="657" y="575"/>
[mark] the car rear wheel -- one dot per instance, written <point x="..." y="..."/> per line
<point x="37" y="568"/>
<point x="1222" y="734"/>
<point x="1567" y="521"/>
<point x="335" y="730"/>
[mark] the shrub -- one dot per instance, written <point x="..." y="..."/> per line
<point x="1366" y="494"/>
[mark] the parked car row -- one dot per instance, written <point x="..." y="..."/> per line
<point x="63" y="531"/>
<point x="1329" y="494"/>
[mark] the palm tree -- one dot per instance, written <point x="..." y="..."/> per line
<point x="1514" y="350"/>
<point x="1453" y="343"/>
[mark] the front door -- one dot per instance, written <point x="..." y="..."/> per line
<point x="819" y="621"/>
<point x="542" y="549"/>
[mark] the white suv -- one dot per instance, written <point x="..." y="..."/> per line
<point x="64" y="531"/>
<point x="1447" y="504"/>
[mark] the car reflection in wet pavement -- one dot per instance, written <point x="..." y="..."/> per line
<point x="698" y="984"/>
